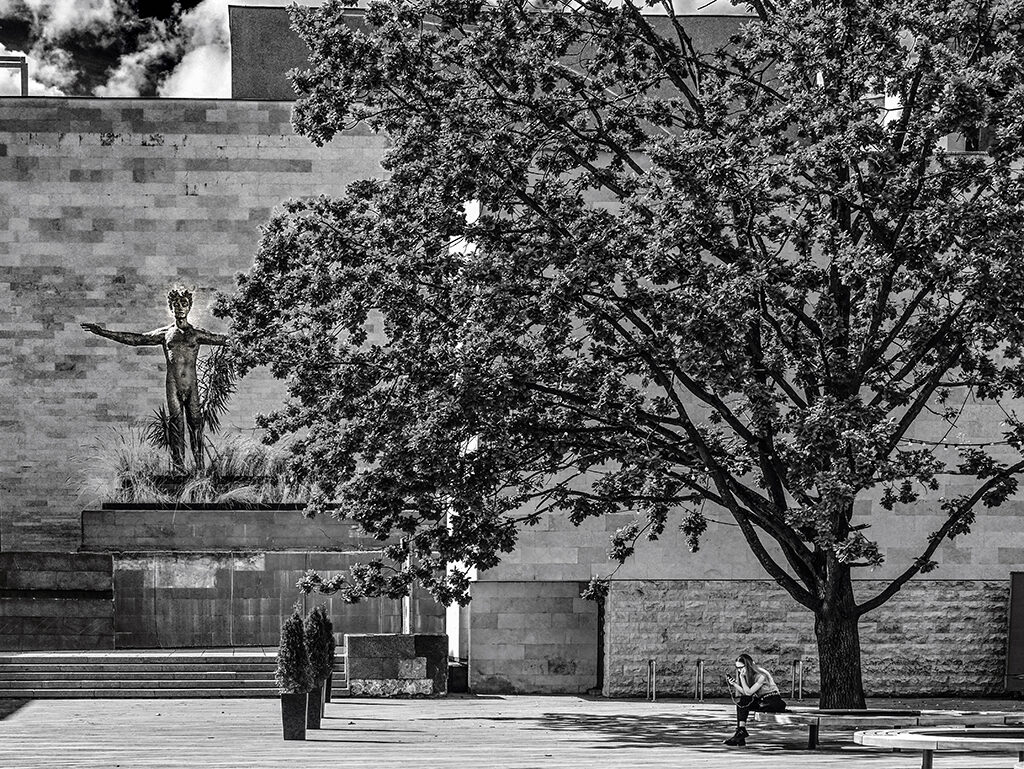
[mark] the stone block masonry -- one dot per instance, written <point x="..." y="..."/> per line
<point x="532" y="638"/>
<point x="169" y="600"/>
<point x="56" y="601"/>
<point x="124" y="528"/>
<point x="933" y="638"/>
<point x="104" y="204"/>
<point x="195" y="599"/>
<point x="395" y="665"/>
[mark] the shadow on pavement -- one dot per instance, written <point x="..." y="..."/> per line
<point x="8" y="706"/>
<point x="610" y="732"/>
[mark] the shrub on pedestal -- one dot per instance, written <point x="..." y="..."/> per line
<point x="293" y="676"/>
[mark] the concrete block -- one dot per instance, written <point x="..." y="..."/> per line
<point x="415" y="668"/>
<point x="374" y="645"/>
<point x="368" y="668"/>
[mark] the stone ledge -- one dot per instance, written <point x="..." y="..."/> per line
<point x="392" y="687"/>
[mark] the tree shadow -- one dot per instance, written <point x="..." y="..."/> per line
<point x="9" y="706"/>
<point x="701" y="734"/>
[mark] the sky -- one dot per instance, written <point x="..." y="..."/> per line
<point x="168" y="48"/>
<point x="153" y="48"/>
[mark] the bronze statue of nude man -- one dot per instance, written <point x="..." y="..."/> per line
<point x="180" y="342"/>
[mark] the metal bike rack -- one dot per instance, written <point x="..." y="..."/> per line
<point x="698" y="681"/>
<point x="797" y="679"/>
<point x="652" y="680"/>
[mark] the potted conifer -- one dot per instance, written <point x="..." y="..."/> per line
<point x="331" y="649"/>
<point x="319" y="637"/>
<point x="293" y="676"/>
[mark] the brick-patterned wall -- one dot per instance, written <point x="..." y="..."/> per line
<point x="104" y="204"/>
<point x="554" y="549"/>
<point x="932" y="638"/>
<point x="56" y="601"/>
<point x="532" y="637"/>
<point x="169" y="600"/>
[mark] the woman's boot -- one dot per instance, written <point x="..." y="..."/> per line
<point x="739" y="739"/>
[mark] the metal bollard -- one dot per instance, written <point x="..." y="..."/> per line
<point x="698" y="681"/>
<point x="652" y="680"/>
<point x="797" y="679"/>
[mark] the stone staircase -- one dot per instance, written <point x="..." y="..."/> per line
<point x="170" y="673"/>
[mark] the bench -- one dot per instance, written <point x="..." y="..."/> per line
<point x="1003" y="739"/>
<point x="816" y="719"/>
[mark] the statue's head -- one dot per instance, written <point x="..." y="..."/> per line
<point x="179" y="301"/>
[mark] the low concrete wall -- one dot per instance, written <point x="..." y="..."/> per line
<point x="120" y="529"/>
<point x="56" y="601"/>
<point x="173" y="600"/>
<point x="389" y="665"/>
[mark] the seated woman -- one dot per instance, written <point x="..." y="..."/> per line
<point x="756" y="690"/>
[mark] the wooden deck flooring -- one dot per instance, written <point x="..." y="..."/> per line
<point x="461" y="732"/>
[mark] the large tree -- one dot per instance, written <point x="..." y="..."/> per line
<point x="738" y="277"/>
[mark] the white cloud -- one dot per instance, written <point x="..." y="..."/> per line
<point x="207" y="23"/>
<point x="49" y="74"/>
<point x="132" y="71"/>
<point x="203" y="73"/>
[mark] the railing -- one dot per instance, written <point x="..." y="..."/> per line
<point x="796" y="677"/>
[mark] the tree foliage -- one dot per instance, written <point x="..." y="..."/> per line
<point x="737" y="276"/>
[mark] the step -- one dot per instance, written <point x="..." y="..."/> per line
<point x="191" y="693"/>
<point x="145" y="683"/>
<point x="146" y="673"/>
<point x="137" y="666"/>
<point x="135" y="675"/>
<point x="36" y="658"/>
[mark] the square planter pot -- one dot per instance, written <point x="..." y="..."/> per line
<point x="314" y="706"/>
<point x="293" y="716"/>
<point x="327" y="687"/>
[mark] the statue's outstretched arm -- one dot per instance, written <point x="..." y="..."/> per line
<point x="127" y="337"/>
<point x="209" y="337"/>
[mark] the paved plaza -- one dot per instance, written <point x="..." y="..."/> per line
<point x="489" y="732"/>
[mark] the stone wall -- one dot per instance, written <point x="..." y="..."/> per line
<point x="172" y="600"/>
<point x="169" y="600"/>
<point x="397" y="665"/>
<point x="933" y="638"/>
<point x="104" y="204"/>
<point x="56" y="601"/>
<point x="121" y="528"/>
<point x="532" y="637"/>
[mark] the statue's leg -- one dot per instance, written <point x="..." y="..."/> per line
<point x="194" y="415"/>
<point x="176" y="427"/>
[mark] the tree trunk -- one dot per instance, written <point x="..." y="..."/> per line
<point x="835" y="626"/>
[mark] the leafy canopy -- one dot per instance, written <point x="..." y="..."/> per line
<point x="736" y="275"/>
